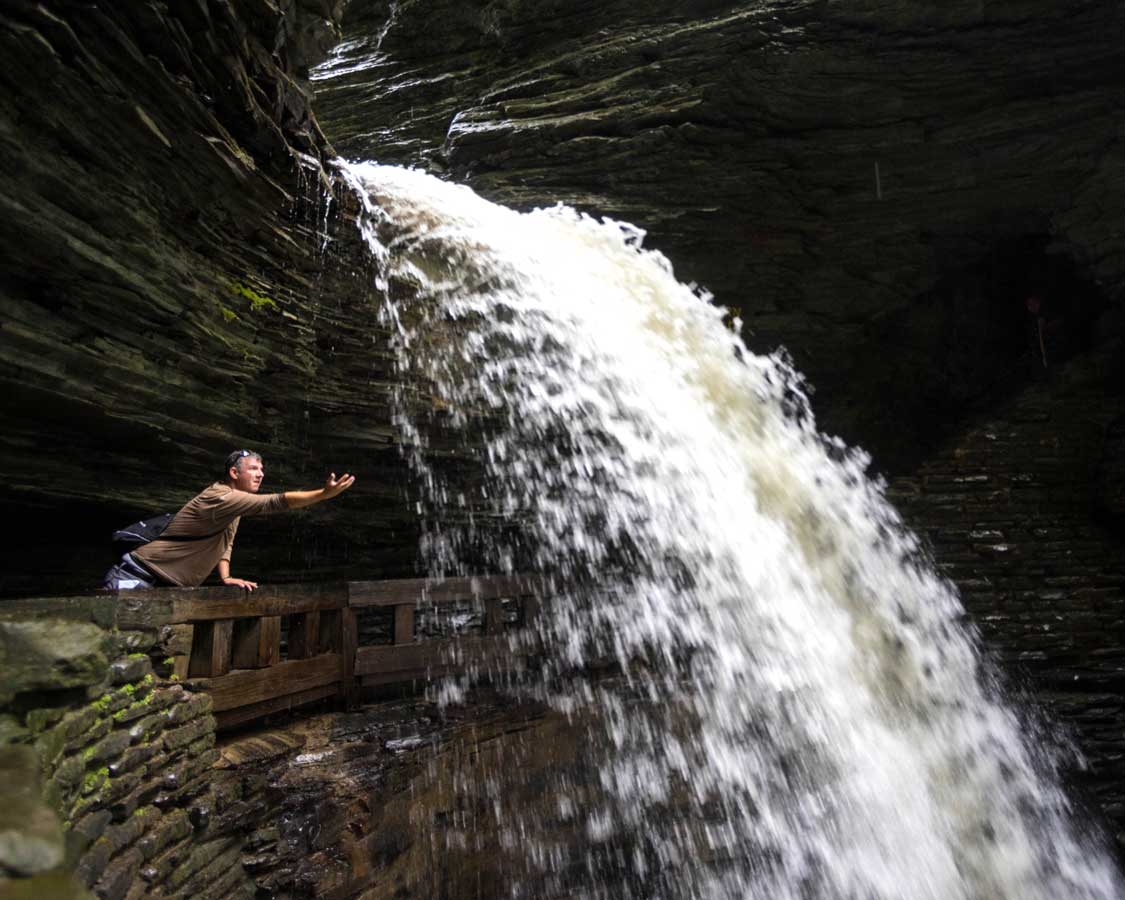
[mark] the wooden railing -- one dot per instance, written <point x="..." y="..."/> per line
<point x="236" y="642"/>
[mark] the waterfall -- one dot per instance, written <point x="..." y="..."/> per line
<point x="801" y="710"/>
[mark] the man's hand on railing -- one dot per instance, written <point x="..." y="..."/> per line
<point x="240" y="582"/>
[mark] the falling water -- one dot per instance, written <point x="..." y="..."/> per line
<point x="802" y="713"/>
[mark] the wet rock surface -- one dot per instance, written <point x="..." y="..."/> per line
<point x="1014" y="511"/>
<point x="173" y="288"/>
<point x="850" y="177"/>
<point x="396" y="799"/>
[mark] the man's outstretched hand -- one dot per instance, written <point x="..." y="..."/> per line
<point x="334" y="486"/>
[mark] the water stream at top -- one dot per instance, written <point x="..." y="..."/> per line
<point x="803" y="713"/>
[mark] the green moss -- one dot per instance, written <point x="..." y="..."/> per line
<point x="95" y="780"/>
<point x="129" y="689"/>
<point x="120" y="715"/>
<point x="229" y="315"/>
<point x="102" y="702"/>
<point x="258" y="302"/>
<point x="136" y="656"/>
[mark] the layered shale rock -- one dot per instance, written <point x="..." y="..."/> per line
<point x="1021" y="510"/>
<point x="877" y="186"/>
<point x="173" y="287"/>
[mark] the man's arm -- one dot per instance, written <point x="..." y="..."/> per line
<point x="224" y="577"/>
<point x="294" y="500"/>
<point x="332" y="488"/>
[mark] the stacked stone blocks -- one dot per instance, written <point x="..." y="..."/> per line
<point x="110" y="760"/>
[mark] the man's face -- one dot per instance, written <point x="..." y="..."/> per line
<point x="248" y="475"/>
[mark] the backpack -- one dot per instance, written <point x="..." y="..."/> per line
<point x="134" y="536"/>
<point x="140" y="533"/>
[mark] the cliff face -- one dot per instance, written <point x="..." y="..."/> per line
<point x="173" y="287"/>
<point x="878" y="186"/>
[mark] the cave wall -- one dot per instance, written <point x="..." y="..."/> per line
<point x="178" y="281"/>
<point x="175" y="283"/>
<point x="1022" y="510"/>
<point x="835" y="172"/>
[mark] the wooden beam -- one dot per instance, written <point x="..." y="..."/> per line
<point x="257" y="642"/>
<point x="241" y="714"/>
<point x="426" y="590"/>
<point x="203" y="604"/>
<point x="211" y="649"/>
<point x="304" y="635"/>
<point x="249" y="686"/>
<point x="420" y="657"/>
<point x="432" y="673"/>
<point x="404" y="624"/>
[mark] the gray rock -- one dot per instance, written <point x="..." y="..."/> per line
<point x="50" y="655"/>
<point x="31" y="835"/>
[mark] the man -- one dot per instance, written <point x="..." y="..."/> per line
<point x="201" y="535"/>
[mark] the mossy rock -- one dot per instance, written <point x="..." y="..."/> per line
<point x="50" y="655"/>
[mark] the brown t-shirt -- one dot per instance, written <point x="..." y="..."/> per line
<point x="212" y="517"/>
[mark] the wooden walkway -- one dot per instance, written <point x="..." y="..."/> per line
<point x="239" y="656"/>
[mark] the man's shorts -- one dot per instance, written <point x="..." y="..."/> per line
<point x="129" y="574"/>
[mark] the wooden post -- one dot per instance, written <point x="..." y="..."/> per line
<point x="349" y="644"/>
<point x="530" y="604"/>
<point x="304" y="635"/>
<point x="493" y="616"/>
<point x="404" y="624"/>
<point x="328" y="640"/>
<point x="211" y="648"/>
<point x="257" y="642"/>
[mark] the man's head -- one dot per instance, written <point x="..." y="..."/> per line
<point x="244" y="471"/>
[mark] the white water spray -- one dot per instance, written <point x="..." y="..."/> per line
<point x="804" y="715"/>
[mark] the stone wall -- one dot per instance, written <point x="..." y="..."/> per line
<point x="1022" y="512"/>
<point x="113" y="758"/>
